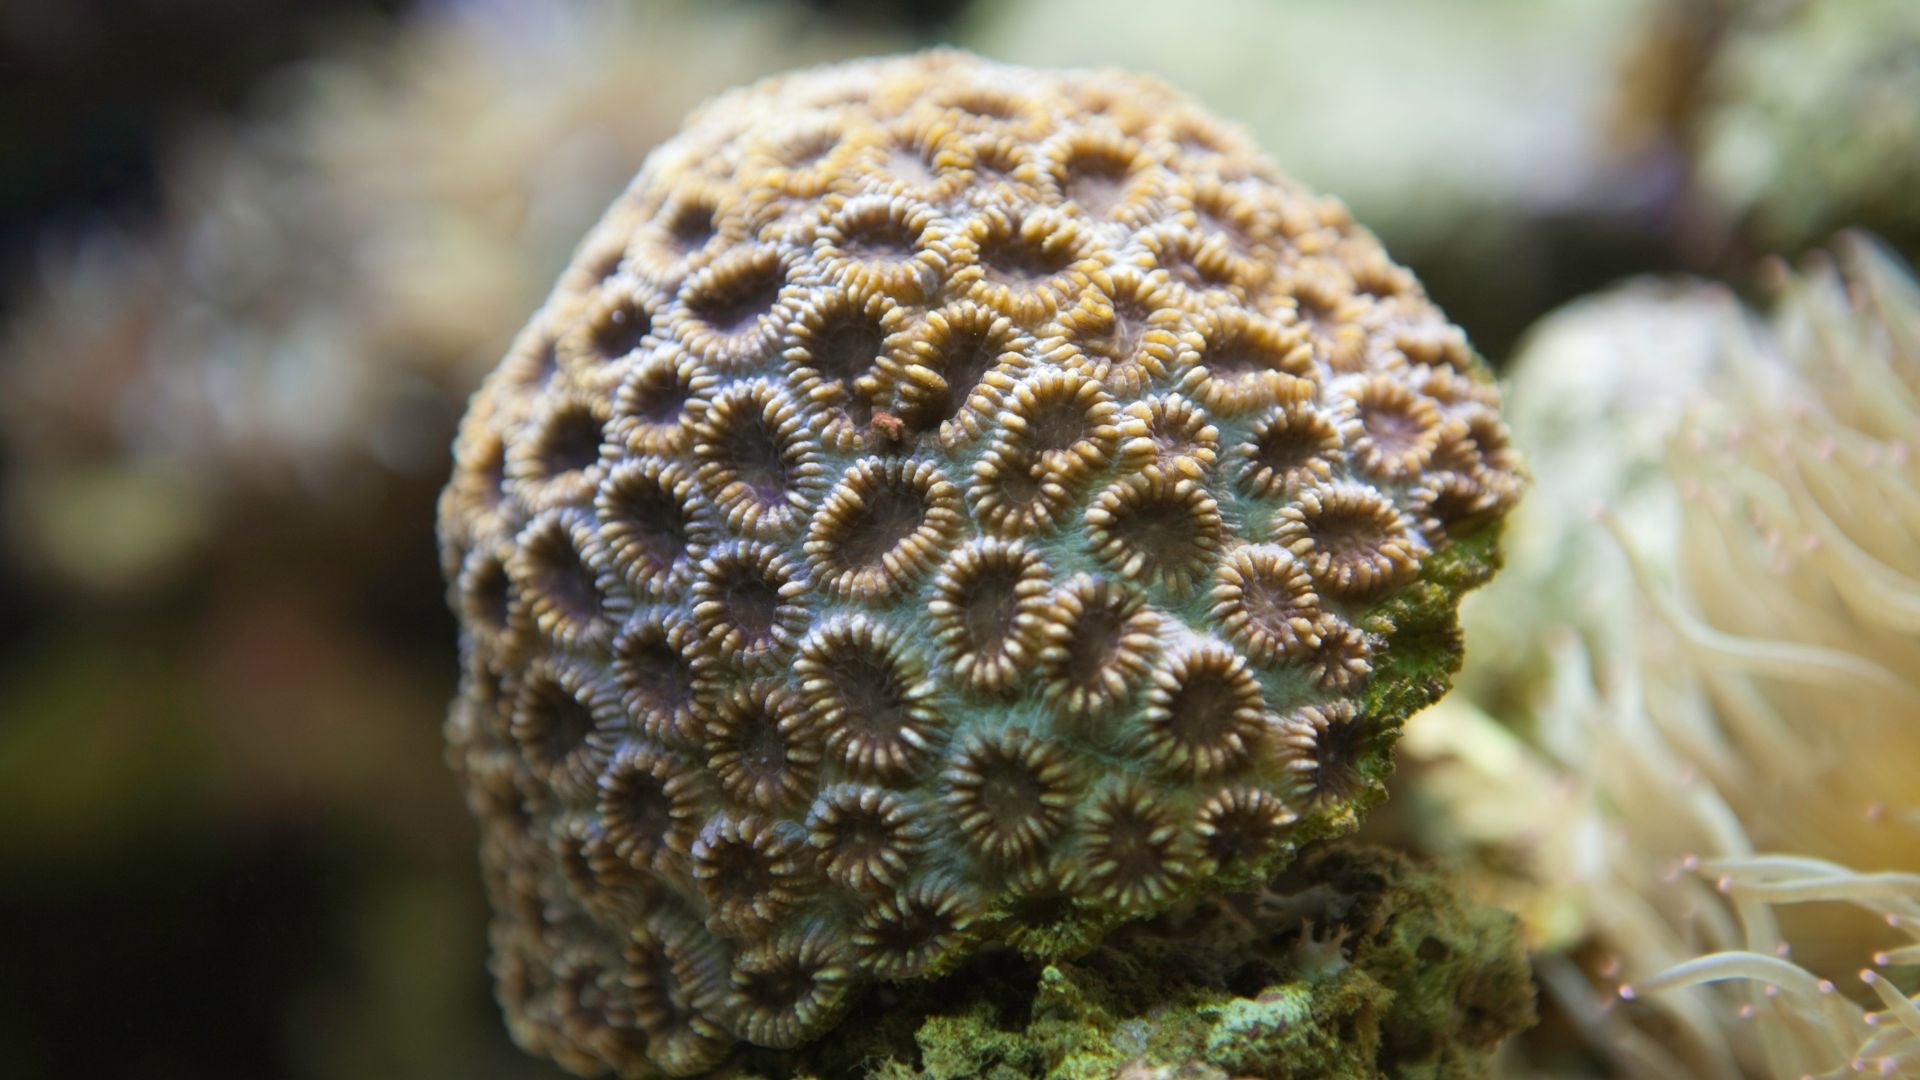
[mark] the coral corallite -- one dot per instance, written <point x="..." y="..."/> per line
<point x="943" y="505"/>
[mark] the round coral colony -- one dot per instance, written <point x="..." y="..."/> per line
<point x="935" y="485"/>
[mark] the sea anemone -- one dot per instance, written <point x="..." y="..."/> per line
<point x="1725" y="698"/>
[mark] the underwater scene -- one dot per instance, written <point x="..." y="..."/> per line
<point x="975" y="538"/>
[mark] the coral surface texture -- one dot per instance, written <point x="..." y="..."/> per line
<point x="944" y="509"/>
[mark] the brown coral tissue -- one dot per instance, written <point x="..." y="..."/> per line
<point x="933" y="478"/>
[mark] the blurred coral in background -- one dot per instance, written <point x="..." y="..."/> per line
<point x="328" y="281"/>
<point x="224" y="430"/>
<point x="229" y="377"/>
<point x="1806" y="121"/>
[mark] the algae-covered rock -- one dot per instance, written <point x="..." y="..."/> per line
<point x="1357" y="963"/>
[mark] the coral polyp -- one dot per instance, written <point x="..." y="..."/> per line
<point x="864" y="835"/>
<point x="926" y="518"/>
<point x="1010" y="795"/>
<point x="986" y="612"/>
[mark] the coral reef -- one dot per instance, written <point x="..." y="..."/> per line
<point x="1721" y="702"/>
<point x="882" y="411"/>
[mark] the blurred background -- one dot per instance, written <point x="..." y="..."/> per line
<point x="255" y="254"/>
